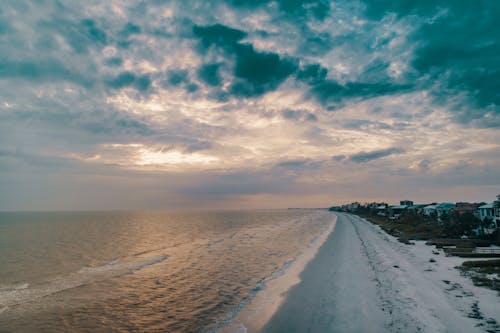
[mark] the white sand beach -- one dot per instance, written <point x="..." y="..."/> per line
<point x="364" y="280"/>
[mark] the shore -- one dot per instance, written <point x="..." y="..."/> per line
<point x="364" y="280"/>
<point x="257" y="312"/>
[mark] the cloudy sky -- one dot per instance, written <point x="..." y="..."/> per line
<point x="247" y="103"/>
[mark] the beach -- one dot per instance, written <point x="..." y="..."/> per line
<point x="364" y="280"/>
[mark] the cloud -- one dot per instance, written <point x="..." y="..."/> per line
<point x="298" y="115"/>
<point x="331" y="93"/>
<point x="209" y="74"/>
<point x="254" y="73"/>
<point x="92" y="86"/>
<point x="218" y="35"/>
<point x="312" y="74"/>
<point x="42" y="70"/>
<point x="259" y="72"/>
<point x="457" y="45"/>
<point x="293" y="9"/>
<point x="364" y="157"/>
<point x="129" y="79"/>
<point x="293" y="164"/>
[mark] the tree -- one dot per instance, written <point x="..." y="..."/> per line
<point x="457" y="225"/>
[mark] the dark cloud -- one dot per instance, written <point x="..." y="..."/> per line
<point x="316" y="44"/>
<point x="129" y="79"/>
<point x="114" y="61"/>
<point x="218" y="35"/>
<point x="293" y="9"/>
<point x="259" y="72"/>
<point x="312" y="74"/>
<point x="180" y="78"/>
<point x="92" y="32"/>
<point x="81" y="35"/>
<point x="177" y="77"/>
<point x="373" y="155"/>
<point x="332" y="93"/>
<point x="130" y="29"/>
<point x="209" y="74"/>
<point x="255" y="73"/>
<point x="457" y="44"/>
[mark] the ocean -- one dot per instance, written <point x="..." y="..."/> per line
<point x="143" y="271"/>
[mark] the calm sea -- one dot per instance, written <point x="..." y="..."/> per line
<point x="142" y="271"/>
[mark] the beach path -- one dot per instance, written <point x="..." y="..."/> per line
<point x="363" y="280"/>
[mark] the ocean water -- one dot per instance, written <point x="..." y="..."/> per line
<point x="143" y="271"/>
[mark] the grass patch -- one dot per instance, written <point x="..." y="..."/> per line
<point x="484" y="273"/>
<point x="405" y="230"/>
<point x="482" y="263"/>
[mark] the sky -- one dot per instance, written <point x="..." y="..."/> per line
<point x="127" y="104"/>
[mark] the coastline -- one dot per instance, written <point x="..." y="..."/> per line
<point x="365" y="280"/>
<point x="255" y="314"/>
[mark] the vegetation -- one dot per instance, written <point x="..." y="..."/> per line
<point x="483" y="272"/>
<point x="457" y="225"/>
<point x="409" y="226"/>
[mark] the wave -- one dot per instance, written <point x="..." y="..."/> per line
<point x="24" y="293"/>
<point x="11" y="287"/>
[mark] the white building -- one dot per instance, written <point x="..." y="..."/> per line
<point x="486" y="211"/>
<point x="430" y="210"/>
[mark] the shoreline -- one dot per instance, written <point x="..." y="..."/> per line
<point x="255" y="314"/>
<point x="365" y="280"/>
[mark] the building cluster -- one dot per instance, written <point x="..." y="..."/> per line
<point x="487" y="213"/>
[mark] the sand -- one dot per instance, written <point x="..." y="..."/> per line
<point x="364" y="280"/>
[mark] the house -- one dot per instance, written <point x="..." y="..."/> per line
<point x="462" y="208"/>
<point x="430" y="210"/>
<point x="496" y="212"/>
<point x="417" y="208"/>
<point x="352" y="207"/>
<point x="444" y="208"/>
<point x="381" y="210"/>
<point x="486" y="211"/>
<point x="438" y="210"/>
<point x="396" y="211"/>
<point x="406" y="203"/>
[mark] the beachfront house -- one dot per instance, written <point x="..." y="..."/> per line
<point x="462" y="208"/>
<point x="381" y="210"/>
<point x="416" y="208"/>
<point x="396" y="211"/>
<point x="486" y="212"/>
<point x="352" y="207"/>
<point x="407" y="203"/>
<point x="496" y="212"/>
<point x="430" y="210"/>
<point x="444" y="208"/>
<point x="487" y="216"/>
<point x="438" y="210"/>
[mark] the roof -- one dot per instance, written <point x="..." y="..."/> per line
<point x="445" y="205"/>
<point x="490" y="205"/>
<point x="465" y="208"/>
<point x="399" y="207"/>
<point x="430" y="207"/>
